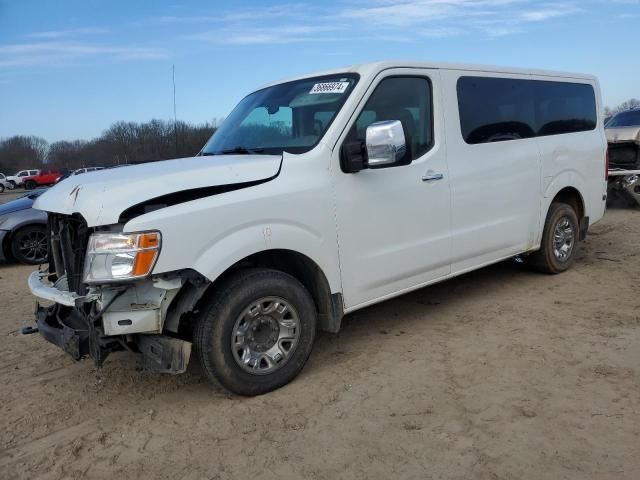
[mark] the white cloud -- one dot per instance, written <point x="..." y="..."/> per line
<point x="56" y="53"/>
<point x="400" y="20"/>
<point x="53" y="34"/>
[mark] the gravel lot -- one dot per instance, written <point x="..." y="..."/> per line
<point x="499" y="374"/>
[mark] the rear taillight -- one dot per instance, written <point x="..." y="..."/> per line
<point x="606" y="165"/>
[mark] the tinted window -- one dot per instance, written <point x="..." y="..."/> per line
<point x="495" y="109"/>
<point x="625" y="119"/>
<point x="499" y="109"/>
<point x="407" y="99"/>
<point x="564" y="107"/>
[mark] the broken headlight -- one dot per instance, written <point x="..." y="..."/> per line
<point x="112" y="257"/>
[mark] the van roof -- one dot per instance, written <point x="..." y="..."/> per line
<point x="369" y="69"/>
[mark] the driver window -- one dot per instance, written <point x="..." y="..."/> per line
<point x="407" y="99"/>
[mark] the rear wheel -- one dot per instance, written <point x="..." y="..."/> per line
<point x="29" y="245"/>
<point x="29" y="185"/>
<point x="257" y="333"/>
<point x="559" y="244"/>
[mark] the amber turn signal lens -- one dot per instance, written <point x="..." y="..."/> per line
<point x="148" y="240"/>
<point x="144" y="262"/>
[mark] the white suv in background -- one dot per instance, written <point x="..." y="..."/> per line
<point x="316" y="197"/>
<point x="5" y="184"/>
<point x="18" y="179"/>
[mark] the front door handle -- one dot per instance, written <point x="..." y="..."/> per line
<point x="432" y="176"/>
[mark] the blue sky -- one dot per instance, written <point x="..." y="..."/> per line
<point x="70" y="68"/>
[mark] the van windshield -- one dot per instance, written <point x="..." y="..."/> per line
<point x="289" y="117"/>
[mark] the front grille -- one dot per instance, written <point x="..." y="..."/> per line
<point x="624" y="155"/>
<point x="68" y="237"/>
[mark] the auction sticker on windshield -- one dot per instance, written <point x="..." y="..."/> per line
<point x="329" y="87"/>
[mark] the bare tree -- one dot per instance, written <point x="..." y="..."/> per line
<point x="122" y="142"/>
<point x="627" y="105"/>
<point x="21" y="152"/>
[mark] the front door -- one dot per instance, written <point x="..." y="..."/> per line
<point x="394" y="223"/>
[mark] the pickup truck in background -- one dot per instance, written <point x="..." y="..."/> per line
<point x="45" y="177"/>
<point x="17" y="180"/>
<point x="623" y="138"/>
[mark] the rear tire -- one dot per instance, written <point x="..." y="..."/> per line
<point x="559" y="244"/>
<point x="29" y="185"/>
<point x="29" y="245"/>
<point x="256" y="333"/>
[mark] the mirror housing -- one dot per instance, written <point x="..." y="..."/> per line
<point x="384" y="146"/>
<point x="385" y="143"/>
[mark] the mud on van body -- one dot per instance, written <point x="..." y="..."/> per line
<point x="318" y="196"/>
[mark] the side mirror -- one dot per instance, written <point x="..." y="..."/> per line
<point x="386" y="145"/>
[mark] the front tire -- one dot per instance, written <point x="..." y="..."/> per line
<point x="12" y="184"/>
<point x="257" y="332"/>
<point x="1" y="188"/>
<point x="29" y="245"/>
<point x="559" y="244"/>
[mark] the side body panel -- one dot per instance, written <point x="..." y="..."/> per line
<point x="393" y="227"/>
<point x="495" y="189"/>
<point x="575" y="160"/>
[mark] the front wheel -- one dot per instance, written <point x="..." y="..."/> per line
<point x="257" y="332"/>
<point x="1" y="188"/>
<point x="559" y="244"/>
<point x="29" y="245"/>
<point x="12" y="184"/>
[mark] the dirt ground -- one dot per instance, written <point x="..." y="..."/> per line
<point x="499" y="374"/>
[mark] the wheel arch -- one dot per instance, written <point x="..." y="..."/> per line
<point x="328" y="305"/>
<point x="571" y="196"/>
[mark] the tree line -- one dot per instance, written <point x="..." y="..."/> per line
<point x="123" y="142"/>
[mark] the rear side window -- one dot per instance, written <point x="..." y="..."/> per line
<point x="499" y="109"/>
<point x="495" y="109"/>
<point x="563" y="107"/>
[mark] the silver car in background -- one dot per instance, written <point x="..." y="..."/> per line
<point x="623" y="137"/>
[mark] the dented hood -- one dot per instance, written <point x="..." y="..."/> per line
<point x="101" y="196"/>
<point x="623" y="134"/>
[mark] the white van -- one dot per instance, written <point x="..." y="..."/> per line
<point x="316" y="197"/>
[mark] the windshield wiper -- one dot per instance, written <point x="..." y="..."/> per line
<point x="235" y="150"/>
<point x="242" y="150"/>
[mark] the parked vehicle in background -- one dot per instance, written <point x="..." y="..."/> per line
<point x="623" y="137"/>
<point x="44" y="178"/>
<point x="317" y="197"/>
<point x="5" y="184"/>
<point x="23" y="233"/>
<point x="79" y="171"/>
<point x="18" y="179"/>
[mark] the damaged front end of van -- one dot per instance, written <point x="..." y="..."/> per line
<point x="100" y="291"/>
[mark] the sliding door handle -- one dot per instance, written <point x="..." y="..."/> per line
<point x="430" y="176"/>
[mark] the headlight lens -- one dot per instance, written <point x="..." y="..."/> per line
<point x="120" y="256"/>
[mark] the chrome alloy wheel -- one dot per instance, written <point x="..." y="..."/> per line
<point x="265" y="335"/>
<point x="564" y="238"/>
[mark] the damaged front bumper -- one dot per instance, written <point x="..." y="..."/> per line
<point x="101" y="322"/>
